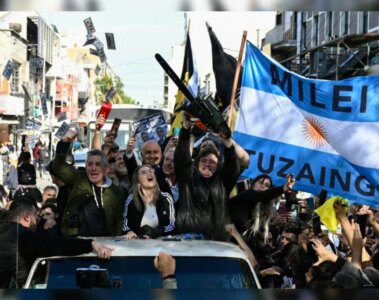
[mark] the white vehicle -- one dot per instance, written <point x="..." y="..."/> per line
<point x="80" y="157"/>
<point x="200" y="264"/>
<point x="128" y="113"/>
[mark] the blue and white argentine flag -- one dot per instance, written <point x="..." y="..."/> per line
<point x="324" y="132"/>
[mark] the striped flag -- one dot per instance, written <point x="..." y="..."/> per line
<point x="324" y="132"/>
<point x="190" y="78"/>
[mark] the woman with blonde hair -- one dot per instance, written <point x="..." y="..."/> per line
<point x="148" y="212"/>
<point x="251" y="210"/>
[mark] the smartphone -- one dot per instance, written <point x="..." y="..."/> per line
<point x="362" y="221"/>
<point x="312" y="252"/>
<point x="115" y="126"/>
<point x="316" y="224"/>
<point x="322" y="196"/>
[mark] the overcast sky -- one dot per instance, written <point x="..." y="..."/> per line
<point x="139" y="35"/>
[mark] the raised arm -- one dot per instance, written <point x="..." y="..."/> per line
<point x="372" y="221"/>
<point x="347" y="229"/>
<point x="252" y="197"/>
<point x="96" y="143"/>
<point x="231" y="167"/>
<point x="231" y="229"/>
<point x="129" y="159"/>
<point x="67" y="173"/>
<point x="242" y="156"/>
<point x="182" y="155"/>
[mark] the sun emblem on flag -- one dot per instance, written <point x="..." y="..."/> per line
<point x="314" y="132"/>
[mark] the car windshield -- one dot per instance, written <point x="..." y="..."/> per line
<point x="139" y="273"/>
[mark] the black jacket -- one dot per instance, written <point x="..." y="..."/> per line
<point x="203" y="202"/>
<point x="30" y="245"/>
<point x="26" y="173"/>
<point x="165" y="212"/>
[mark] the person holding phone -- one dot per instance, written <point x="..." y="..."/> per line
<point x="252" y="209"/>
<point x="348" y="230"/>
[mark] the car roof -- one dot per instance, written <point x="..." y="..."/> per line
<point x="196" y="248"/>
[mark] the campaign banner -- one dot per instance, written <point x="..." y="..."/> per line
<point x="324" y="132"/>
<point x="153" y="127"/>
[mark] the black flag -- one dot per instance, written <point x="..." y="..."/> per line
<point x="224" y="68"/>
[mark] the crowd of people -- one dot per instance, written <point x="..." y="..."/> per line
<point x="181" y="188"/>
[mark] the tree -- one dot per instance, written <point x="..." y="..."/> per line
<point x="103" y="85"/>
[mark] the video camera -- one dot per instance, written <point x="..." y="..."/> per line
<point x="204" y="109"/>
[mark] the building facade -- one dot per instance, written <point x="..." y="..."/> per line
<point x="325" y="44"/>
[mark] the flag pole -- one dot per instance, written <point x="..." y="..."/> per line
<point x="236" y="77"/>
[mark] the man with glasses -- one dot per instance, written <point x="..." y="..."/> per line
<point x="204" y="186"/>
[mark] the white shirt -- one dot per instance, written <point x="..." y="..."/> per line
<point x="150" y="216"/>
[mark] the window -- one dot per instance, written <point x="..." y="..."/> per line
<point x="365" y="21"/>
<point x="315" y="31"/>
<point x="279" y="19"/>
<point x="346" y="22"/>
<point x="139" y="273"/>
<point x="330" y="23"/>
<point x="15" y="79"/>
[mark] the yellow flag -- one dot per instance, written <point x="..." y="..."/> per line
<point x="328" y="214"/>
<point x="189" y="78"/>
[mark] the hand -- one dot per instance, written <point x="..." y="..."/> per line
<point x="186" y="123"/>
<point x="322" y="252"/>
<point x="70" y="135"/>
<point x="172" y="142"/>
<point x="109" y="138"/>
<point x="371" y="217"/>
<point x="130" y="235"/>
<point x="303" y="240"/>
<point x="131" y="144"/>
<point x="227" y="142"/>
<point x="100" y="121"/>
<point x="364" y="210"/>
<point x="50" y="223"/>
<point x="357" y="242"/>
<point x="101" y="250"/>
<point x="340" y="210"/>
<point x="289" y="185"/>
<point x="165" y="264"/>
<point x="232" y="230"/>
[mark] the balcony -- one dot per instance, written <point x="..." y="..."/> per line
<point x="280" y="40"/>
<point x="12" y="105"/>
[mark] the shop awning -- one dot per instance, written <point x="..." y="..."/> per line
<point x="9" y="122"/>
